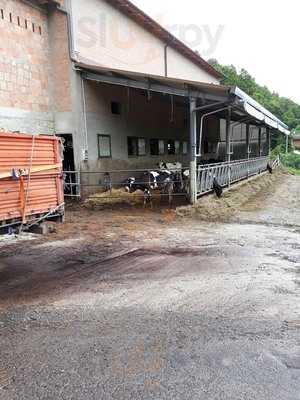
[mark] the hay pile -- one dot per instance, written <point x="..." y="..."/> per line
<point x="120" y="197"/>
<point x="210" y="208"/>
<point x="116" y="197"/>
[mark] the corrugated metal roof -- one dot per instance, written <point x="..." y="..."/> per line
<point x="252" y="107"/>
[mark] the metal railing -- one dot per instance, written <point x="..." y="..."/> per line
<point x="108" y="182"/>
<point x="228" y="173"/>
<point x="72" y="184"/>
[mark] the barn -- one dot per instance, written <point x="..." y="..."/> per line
<point x="124" y="94"/>
<point x="147" y="97"/>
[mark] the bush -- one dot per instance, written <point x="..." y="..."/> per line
<point x="291" y="160"/>
<point x="278" y="151"/>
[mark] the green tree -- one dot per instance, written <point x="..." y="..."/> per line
<point x="285" y="109"/>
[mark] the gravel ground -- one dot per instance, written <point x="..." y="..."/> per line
<point x="136" y="304"/>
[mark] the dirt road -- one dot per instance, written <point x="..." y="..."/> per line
<point x="138" y="304"/>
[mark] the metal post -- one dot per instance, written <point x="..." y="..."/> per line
<point x="260" y="142"/>
<point x="228" y="143"/>
<point x="269" y="141"/>
<point x="248" y="149"/>
<point x="193" y="151"/>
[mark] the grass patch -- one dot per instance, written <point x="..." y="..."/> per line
<point x="294" y="171"/>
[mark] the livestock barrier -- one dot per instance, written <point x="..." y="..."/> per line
<point x="229" y="173"/>
<point x="82" y="183"/>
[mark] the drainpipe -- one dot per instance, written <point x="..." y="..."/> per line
<point x="166" y="59"/>
<point x="86" y="143"/>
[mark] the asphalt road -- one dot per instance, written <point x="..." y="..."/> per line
<point x="187" y="310"/>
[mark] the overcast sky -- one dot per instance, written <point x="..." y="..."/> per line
<point x="260" y="36"/>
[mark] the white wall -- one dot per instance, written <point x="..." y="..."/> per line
<point x="140" y="117"/>
<point x="105" y="37"/>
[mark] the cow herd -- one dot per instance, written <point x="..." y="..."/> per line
<point x="169" y="179"/>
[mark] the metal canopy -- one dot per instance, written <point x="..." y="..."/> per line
<point x="174" y="87"/>
<point x="242" y="103"/>
<point x="259" y="112"/>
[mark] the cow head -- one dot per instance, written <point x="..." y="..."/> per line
<point x="162" y="165"/>
<point x="129" y="184"/>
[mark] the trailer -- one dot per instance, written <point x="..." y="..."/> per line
<point x="31" y="180"/>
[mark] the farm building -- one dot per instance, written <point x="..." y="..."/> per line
<point x="296" y="142"/>
<point x="124" y="94"/>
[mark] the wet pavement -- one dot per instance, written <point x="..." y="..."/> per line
<point x="144" y="305"/>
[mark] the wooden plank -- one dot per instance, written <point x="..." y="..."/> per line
<point x="34" y="170"/>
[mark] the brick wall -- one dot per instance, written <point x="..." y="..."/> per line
<point x="34" y="67"/>
<point x="24" y="52"/>
<point x="60" y="62"/>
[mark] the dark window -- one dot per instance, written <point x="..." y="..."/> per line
<point x="2" y="14"/>
<point x="26" y="24"/>
<point x="40" y="30"/>
<point x="184" y="148"/>
<point x="132" y="144"/>
<point x="136" y="146"/>
<point x="10" y="17"/>
<point x="116" y="108"/>
<point x="33" y="27"/>
<point x="157" y="147"/>
<point x="154" y="147"/>
<point x="104" y="146"/>
<point x="171" y="147"/>
<point x="18" y="19"/>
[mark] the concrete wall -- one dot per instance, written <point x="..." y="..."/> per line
<point x="105" y="37"/>
<point x="140" y="117"/>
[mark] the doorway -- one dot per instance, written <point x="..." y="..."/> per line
<point x="70" y="175"/>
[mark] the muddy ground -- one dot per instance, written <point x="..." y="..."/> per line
<point x="147" y="304"/>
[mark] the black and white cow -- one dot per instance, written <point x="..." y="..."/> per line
<point x="152" y="180"/>
<point x="133" y="184"/>
<point x="176" y="170"/>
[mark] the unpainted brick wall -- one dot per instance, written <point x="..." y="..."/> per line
<point x="60" y="62"/>
<point x="24" y="54"/>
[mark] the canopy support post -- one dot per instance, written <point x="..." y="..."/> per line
<point x="260" y="142"/>
<point x="269" y="141"/>
<point x="193" y="151"/>
<point x="248" y="147"/>
<point x="228" y="143"/>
